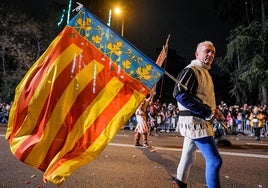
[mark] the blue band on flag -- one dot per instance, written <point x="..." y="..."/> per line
<point x="119" y="50"/>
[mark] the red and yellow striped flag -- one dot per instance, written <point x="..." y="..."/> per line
<point x="75" y="98"/>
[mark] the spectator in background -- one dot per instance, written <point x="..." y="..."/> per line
<point x="161" y="118"/>
<point x="245" y="114"/>
<point x="239" y="122"/>
<point x="4" y="112"/>
<point x="230" y="121"/>
<point x="256" y="119"/>
<point x="152" y="119"/>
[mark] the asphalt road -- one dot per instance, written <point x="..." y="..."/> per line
<point x="121" y="165"/>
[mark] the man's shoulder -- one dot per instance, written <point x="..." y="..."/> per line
<point x="188" y="68"/>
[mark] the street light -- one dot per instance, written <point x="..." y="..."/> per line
<point x="118" y="11"/>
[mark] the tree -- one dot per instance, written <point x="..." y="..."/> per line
<point x="246" y="57"/>
<point x="27" y="29"/>
<point x="23" y="40"/>
<point x="246" y="61"/>
<point x="237" y="12"/>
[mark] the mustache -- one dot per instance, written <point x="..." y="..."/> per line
<point x="209" y="59"/>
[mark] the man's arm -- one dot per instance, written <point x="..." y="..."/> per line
<point x="194" y="105"/>
<point x="188" y="98"/>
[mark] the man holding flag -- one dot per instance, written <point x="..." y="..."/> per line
<point x="197" y="105"/>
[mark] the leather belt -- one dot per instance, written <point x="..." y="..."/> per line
<point x="189" y="113"/>
<point x="186" y="113"/>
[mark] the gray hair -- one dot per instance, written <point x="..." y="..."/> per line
<point x="202" y="43"/>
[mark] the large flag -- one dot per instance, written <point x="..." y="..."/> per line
<point x="76" y="97"/>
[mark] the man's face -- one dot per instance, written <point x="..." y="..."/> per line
<point x="205" y="54"/>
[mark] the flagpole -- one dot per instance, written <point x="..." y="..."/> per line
<point x="162" y="80"/>
<point x="160" y="60"/>
<point x="175" y="80"/>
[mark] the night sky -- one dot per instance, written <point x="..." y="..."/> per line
<point x="188" y="22"/>
<point x="148" y="23"/>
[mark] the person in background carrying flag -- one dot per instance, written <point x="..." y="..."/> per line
<point x="197" y="108"/>
<point x="142" y="128"/>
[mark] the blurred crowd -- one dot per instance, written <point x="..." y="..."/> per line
<point x="240" y="120"/>
<point x="163" y="117"/>
<point x="246" y="119"/>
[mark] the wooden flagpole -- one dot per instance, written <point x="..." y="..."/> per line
<point x="162" y="58"/>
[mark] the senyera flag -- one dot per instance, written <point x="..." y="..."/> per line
<point x="76" y="97"/>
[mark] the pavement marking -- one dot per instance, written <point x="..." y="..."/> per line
<point x="175" y="149"/>
<point x="123" y="135"/>
<point x="256" y="144"/>
<point x="244" y="155"/>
